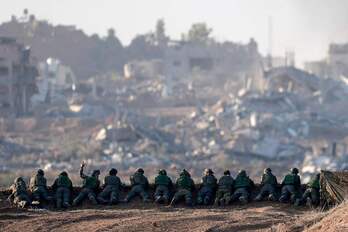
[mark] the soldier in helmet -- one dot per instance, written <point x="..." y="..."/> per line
<point x="291" y="187"/>
<point x="268" y="186"/>
<point x="139" y="185"/>
<point x="111" y="188"/>
<point x="225" y="188"/>
<point x="89" y="188"/>
<point x="19" y="193"/>
<point x="185" y="186"/>
<point x="209" y="184"/>
<point x="163" y="184"/>
<point x="242" y="185"/>
<point x="38" y="187"/>
<point x="312" y="194"/>
<point x="63" y="188"/>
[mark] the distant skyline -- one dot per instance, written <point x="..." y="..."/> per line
<point x="303" y="26"/>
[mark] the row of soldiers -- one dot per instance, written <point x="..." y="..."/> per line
<point x="226" y="190"/>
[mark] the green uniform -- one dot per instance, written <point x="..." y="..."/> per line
<point x="89" y="188"/>
<point x="185" y="187"/>
<point x="38" y="187"/>
<point x="19" y="193"/>
<point x="63" y="188"/>
<point x="291" y="188"/>
<point x="312" y="193"/>
<point x="242" y="186"/>
<point x="111" y="191"/>
<point x="139" y="187"/>
<point x="163" y="183"/>
<point x="206" y="193"/>
<point x="225" y="188"/>
<point x="268" y="187"/>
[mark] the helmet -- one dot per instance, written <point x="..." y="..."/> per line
<point x="208" y="171"/>
<point x="40" y="172"/>
<point x="242" y="172"/>
<point x="140" y="170"/>
<point x="162" y="172"/>
<point x="64" y="173"/>
<point x="227" y="172"/>
<point x="96" y="173"/>
<point x="267" y="170"/>
<point x="113" y="172"/>
<point x="18" y="179"/>
<point x="294" y="171"/>
<point x="184" y="173"/>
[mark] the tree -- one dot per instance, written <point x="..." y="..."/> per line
<point x="199" y="32"/>
<point x="160" y="33"/>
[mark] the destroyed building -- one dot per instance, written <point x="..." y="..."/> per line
<point x="334" y="66"/>
<point x="17" y="77"/>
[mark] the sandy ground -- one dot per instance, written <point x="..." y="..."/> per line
<point x="253" y="217"/>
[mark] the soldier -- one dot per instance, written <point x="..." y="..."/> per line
<point x="312" y="194"/>
<point x="19" y="193"/>
<point x="63" y="188"/>
<point x="291" y="187"/>
<point x="163" y="184"/>
<point x="89" y="188"/>
<point x="225" y="188"/>
<point x="185" y="187"/>
<point x="38" y="187"/>
<point x="209" y="184"/>
<point x="268" y="186"/>
<point x="242" y="186"/>
<point x="111" y="188"/>
<point x="139" y="185"/>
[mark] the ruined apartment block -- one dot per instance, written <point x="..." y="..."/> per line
<point x="17" y="78"/>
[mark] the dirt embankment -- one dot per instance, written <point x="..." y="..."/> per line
<point x="140" y="217"/>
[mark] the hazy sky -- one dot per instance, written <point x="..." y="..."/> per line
<point x="303" y="26"/>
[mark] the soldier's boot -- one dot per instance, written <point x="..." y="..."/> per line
<point x="282" y="198"/>
<point x="243" y="200"/>
<point x="199" y="200"/>
<point x="102" y="200"/>
<point x="272" y="197"/>
<point x="309" y="202"/>
<point x="59" y="203"/>
<point x="66" y="204"/>
<point x="206" y="200"/>
<point x="165" y="200"/>
<point x="297" y="202"/>
<point x="93" y="200"/>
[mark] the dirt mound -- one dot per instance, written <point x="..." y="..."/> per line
<point x="149" y="217"/>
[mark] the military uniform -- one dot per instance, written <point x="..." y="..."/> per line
<point x="291" y="187"/>
<point x="89" y="188"/>
<point x="139" y="185"/>
<point x="185" y="187"/>
<point x="242" y="186"/>
<point x="38" y="187"/>
<point x="206" y="193"/>
<point x="63" y="188"/>
<point x="268" y="186"/>
<point x="225" y="188"/>
<point x="312" y="193"/>
<point x="112" y="187"/>
<point x="19" y="193"/>
<point x="163" y="184"/>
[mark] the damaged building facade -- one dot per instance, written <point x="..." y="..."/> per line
<point x="334" y="66"/>
<point x="17" y="77"/>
